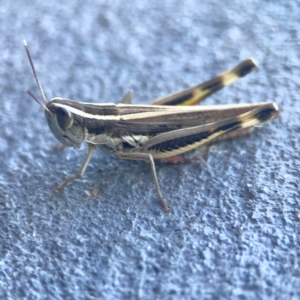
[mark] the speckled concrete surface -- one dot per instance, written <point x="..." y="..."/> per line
<point x="233" y="230"/>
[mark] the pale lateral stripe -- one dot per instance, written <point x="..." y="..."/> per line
<point x="129" y="116"/>
<point x="140" y="116"/>
<point x="250" y="123"/>
<point x="155" y="113"/>
<point x="87" y="115"/>
<point x="184" y="109"/>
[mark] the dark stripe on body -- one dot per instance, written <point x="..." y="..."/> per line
<point x="228" y="126"/>
<point x="99" y="126"/>
<point x="191" y="139"/>
<point x="180" y="142"/>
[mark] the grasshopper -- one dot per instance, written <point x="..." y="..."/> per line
<point x="167" y="127"/>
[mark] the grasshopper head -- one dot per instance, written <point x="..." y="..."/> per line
<point x="65" y="124"/>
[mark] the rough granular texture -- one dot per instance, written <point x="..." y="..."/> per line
<point x="233" y="228"/>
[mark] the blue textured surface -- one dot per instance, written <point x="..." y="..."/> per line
<point x="233" y="231"/>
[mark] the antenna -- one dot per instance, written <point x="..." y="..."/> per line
<point x="35" y="75"/>
<point x="38" y="101"/>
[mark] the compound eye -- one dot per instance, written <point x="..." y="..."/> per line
<point x="64" y="118"/>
